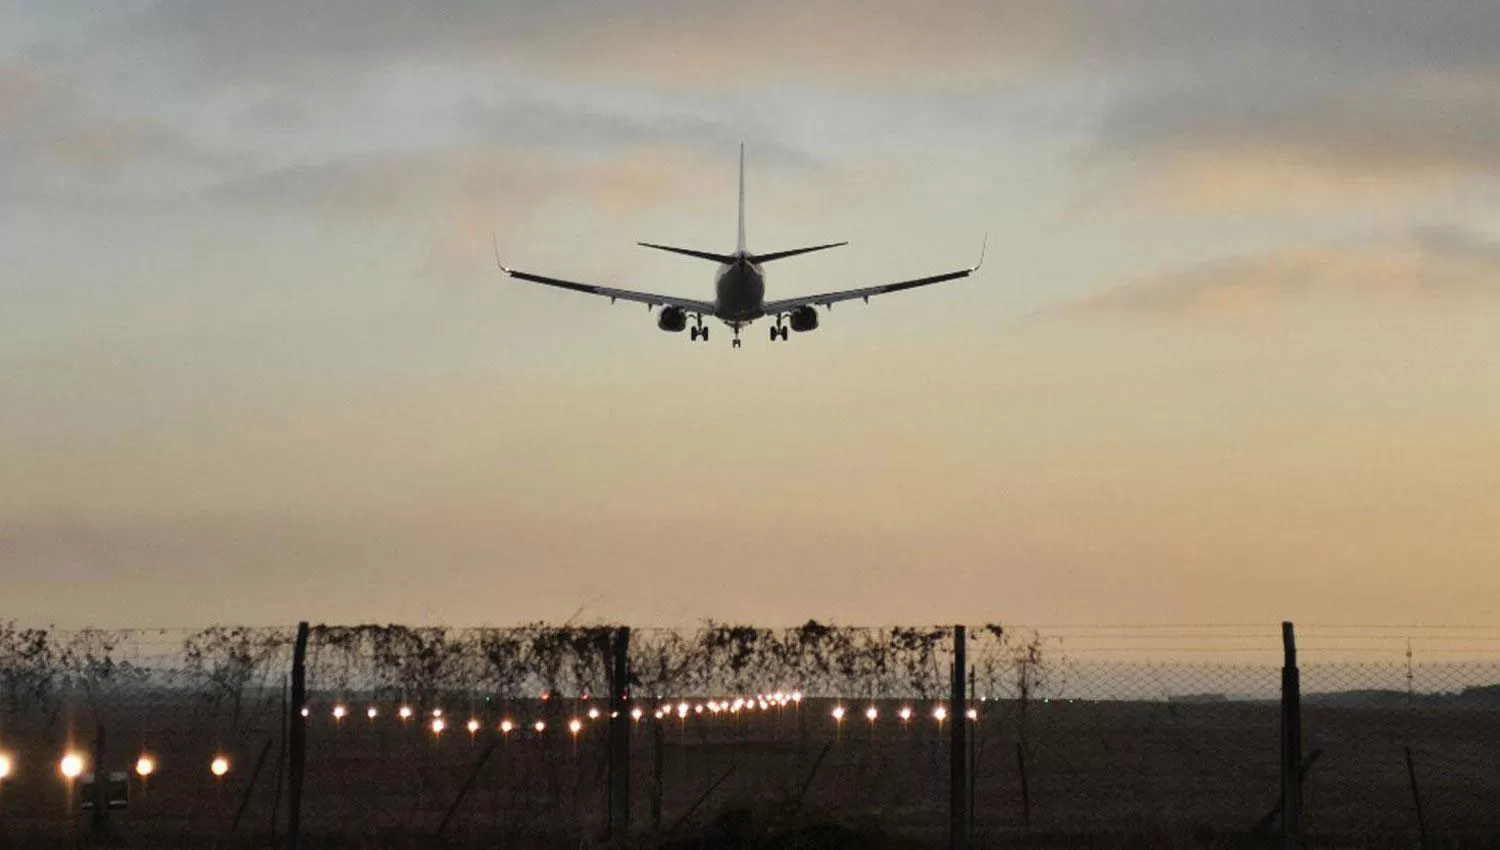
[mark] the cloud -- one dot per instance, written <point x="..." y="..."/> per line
<point x="1435" y="263"/>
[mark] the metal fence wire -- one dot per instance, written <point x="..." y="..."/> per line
<point x="498" y="737"/>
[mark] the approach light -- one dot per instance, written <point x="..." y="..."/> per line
<point x="405" y="712"/>
<point x="797" y="696"/>
<point x="506" y="726"/>
<point x="540" y="726"/>
<point x="438" y="725"/>
<point x="904" y="713"/>
<point x="593" y="714"/>
<point x="437" y="712"/>
<point x="145" y="766"/>
<point x="472" y="726"/>
<point x="71" y="765"/>
<point x="636" y="713"/>
<point x="838" y="713"/>
<point x="305" y="712"/>
<point x="5" y="766"/>
<point x="575" y="726"/>
<point x="972" y="714"/>
<point x="940" y="714"/>
<point x="371" y="712"/>
<point x="871" y="714"/>
<point x="219" y="767"/>
<point x="339" y="712"/>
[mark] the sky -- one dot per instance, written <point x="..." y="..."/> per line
<point x="1232" y="356"/>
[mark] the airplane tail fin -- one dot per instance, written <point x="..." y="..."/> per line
<point x="781" y="255"/>
<point x="741" y="248"/>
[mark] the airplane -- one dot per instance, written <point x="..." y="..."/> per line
<point x="740" y="285"/>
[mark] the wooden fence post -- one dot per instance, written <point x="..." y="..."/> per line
<point x="296" y="740"/>
<point x="958" y="749"/>
<point x="1291" y="742"/>
<point x="619" y="738"/>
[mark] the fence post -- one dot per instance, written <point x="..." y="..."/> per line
<point x="619" y="738"/>
<point x="99" y="793"/>
<point x="296" y="739"/>
<point x="958" y="749"/>
<point x="1291" y="742"/>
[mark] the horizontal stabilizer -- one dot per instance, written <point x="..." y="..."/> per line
<point x="702" y="255"/>
<point x="780" y="255"/>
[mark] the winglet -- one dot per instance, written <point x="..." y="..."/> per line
<point x="496" y="242"/>
<point x="982" y="246"/>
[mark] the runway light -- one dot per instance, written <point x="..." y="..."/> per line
<point x="371" y="712"/>
<point x="339" y="712"/>
<point x="905" y="713"/>
<point x="219" y="767"/>
<point x="405" y="712"/>
<point x="575" y="726"/>
<point x="940" y="714"/>
<point x="636" y="713"/>
<point x="71" y="765"/>
<point x="698" y="709"/>
<point x="838" y="713"/>
<point x="593" y="714"/>
<point x="871" y="714"/>
<point x="797" y="697"/>
<point x="305" y="712"/>
<point x="658" y="714"/>
<point x="438" y="725"/>
<point x="145" y="766"/>
<point x="437" y="712"/>
<point x="682" y="710"/>
<point x="5" y="766"/>
<point x="540" y="726"/>
<point x="473" y="726"/>
<point x="972" y="714"/>
<point x="506" y="727"/>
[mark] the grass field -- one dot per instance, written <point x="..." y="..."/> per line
<point x="1183" y="773"/>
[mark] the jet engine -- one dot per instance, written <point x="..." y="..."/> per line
<point x="672" y="319"/>
<point x="804" y="319"/>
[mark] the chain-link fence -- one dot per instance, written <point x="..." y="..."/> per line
<point x="499" y="737"/>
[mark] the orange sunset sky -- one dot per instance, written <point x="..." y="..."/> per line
<point x="1234" y="354"/>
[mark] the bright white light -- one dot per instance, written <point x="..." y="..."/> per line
<point x="145" y="766"/>
<point x="575" y="726"/>
<point x="838" y="713"/>
<point x="636" y="713"/>
<point x="796" y="696"/>
<point x="305" y="712"/>
<point x="473" y="726"/>
<point x="405" y="712"/>
<point x="682" y="709"/>
<point x="658" y="714"/>
<point x="437" y="712"/>
<point x="593" y="714"/>
<point x="764" y="705"/>
<point x="5" y="765"/>
<point x="506" y="726"/>
<point x="339" y="712"/>
<point x="871" y="714"/>
<point x="219" y="767"/>
<point x="438" y="725"/>
<point x="371" y="712"/>
<point x="972" y="714"/>
<point x="940" y="714"/>
<point x="540" y="726"/>
<point x="71" y="765"/>
<point x="698" y="709"/>
<point x="905" y="713"/>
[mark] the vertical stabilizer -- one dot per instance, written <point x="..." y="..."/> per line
<point x="741" y="248"/>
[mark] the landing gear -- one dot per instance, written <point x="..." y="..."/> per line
<point x="736" y="343"/>
<point x="779" y="331"/>
<point x="700" y="331"/>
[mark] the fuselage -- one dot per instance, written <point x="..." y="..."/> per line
<point x="740" y="291"/>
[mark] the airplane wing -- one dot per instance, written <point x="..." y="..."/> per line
<point x="826" y="299"/>
<point x="647" y="298"/>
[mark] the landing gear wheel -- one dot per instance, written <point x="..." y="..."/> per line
<point x="736" y="343"/>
